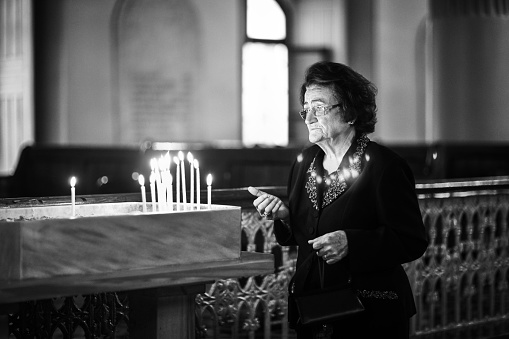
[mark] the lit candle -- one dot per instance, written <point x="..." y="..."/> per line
<point x="170" y="191"/>
<point x="162" y="192"/>
<point x="197" y="166"/>
<point x="153" y="190"/>
<point x="73" y="196"/>
<point x="190" y="158"/>
<point x="141" y="180"/>
<point x="183" y="173"/>
<point x="209" y="190"/>
<point x="168" y="181"/>
<point x="177" y="181"/>
<point x="157" y="179"/>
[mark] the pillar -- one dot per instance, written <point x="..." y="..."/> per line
<point x="470" y="70"/>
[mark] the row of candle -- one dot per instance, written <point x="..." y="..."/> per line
<point x="161" y="183"/>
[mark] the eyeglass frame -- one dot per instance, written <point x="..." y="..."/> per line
<point x="313" y="109"/>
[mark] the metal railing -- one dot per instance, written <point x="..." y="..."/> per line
<point x="460" y="283"/>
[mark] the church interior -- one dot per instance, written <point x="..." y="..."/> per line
<point x="97" y="89"/>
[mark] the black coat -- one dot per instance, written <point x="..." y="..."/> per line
<point x="380" y="215"/>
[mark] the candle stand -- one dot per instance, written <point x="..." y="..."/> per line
<point x="162" y="258"/>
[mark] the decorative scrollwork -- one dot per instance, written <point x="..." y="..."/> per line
<point x="91" y="316"/>
<point x="462" y="280"/>
<point x="465" y="252"/>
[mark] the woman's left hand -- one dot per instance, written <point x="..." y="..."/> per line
<point x="269" y="206"/>
<point x="331" y="247"/>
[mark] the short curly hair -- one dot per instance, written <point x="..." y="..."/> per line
<point x="355" y="94"/>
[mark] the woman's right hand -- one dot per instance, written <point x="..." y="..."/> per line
<point x="269" y="206"/>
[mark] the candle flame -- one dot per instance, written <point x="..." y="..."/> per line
<point x="176" y="160"/>
<point x="196" y="163"/>
<point x="161" y="164"/>
<point x="190" y="157"/>
<point x="209" y="179"/>
<point x="141" y="179"/>
<point x="181" y="155"/>
<point x="167" y="160"/>
<point x="153" y="164"/>
<point x="73" y="181"/>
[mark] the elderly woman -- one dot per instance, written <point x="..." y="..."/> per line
<point x="352" y="209"/>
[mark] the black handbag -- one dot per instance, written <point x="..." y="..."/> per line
<point x="327" y="304"/>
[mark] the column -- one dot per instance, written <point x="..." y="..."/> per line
<point x="470" y="72"/>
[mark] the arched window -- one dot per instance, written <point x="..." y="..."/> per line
<point x="265" y="75"/>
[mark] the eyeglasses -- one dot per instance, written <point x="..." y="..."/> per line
<point x="318" y="111"/>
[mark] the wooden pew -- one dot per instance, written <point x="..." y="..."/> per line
<point x="45" y="170"/>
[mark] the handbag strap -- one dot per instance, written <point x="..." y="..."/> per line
<point x="321" y="272"/>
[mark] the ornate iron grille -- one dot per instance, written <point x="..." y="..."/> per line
<point x="462" y="279"/>
<point x="460" y="284"/>
<point x="104" y="315"/>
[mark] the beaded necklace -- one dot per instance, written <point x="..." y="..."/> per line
<point x="335" y="182"/>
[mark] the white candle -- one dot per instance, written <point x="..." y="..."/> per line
<point x="170" y="191"/>
<point x="162" y="191"/>
<point x="153" y="190"/>
<point x="157" y="179"/>
<point x="177" y="181"/>
<point x="183" y="173"/>
<point x="197" y="166"/>
<point x="141" y="180"/>
<point x="73" y="196"/>
<point x="190" y="158"/>
<point x="153" y="165"/>
<point x="167" y="180"/>
<point x="209" y="190"/>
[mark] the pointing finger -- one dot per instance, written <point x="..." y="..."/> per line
<point x="254" y="191"/>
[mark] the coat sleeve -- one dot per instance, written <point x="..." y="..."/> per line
<point x="283" y="232"/>
<point x="399" y="235"/>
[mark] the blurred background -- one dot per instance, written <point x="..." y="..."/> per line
<point x="96" y="88"/>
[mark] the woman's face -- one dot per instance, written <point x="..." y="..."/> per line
<point x="329" y="127"/>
